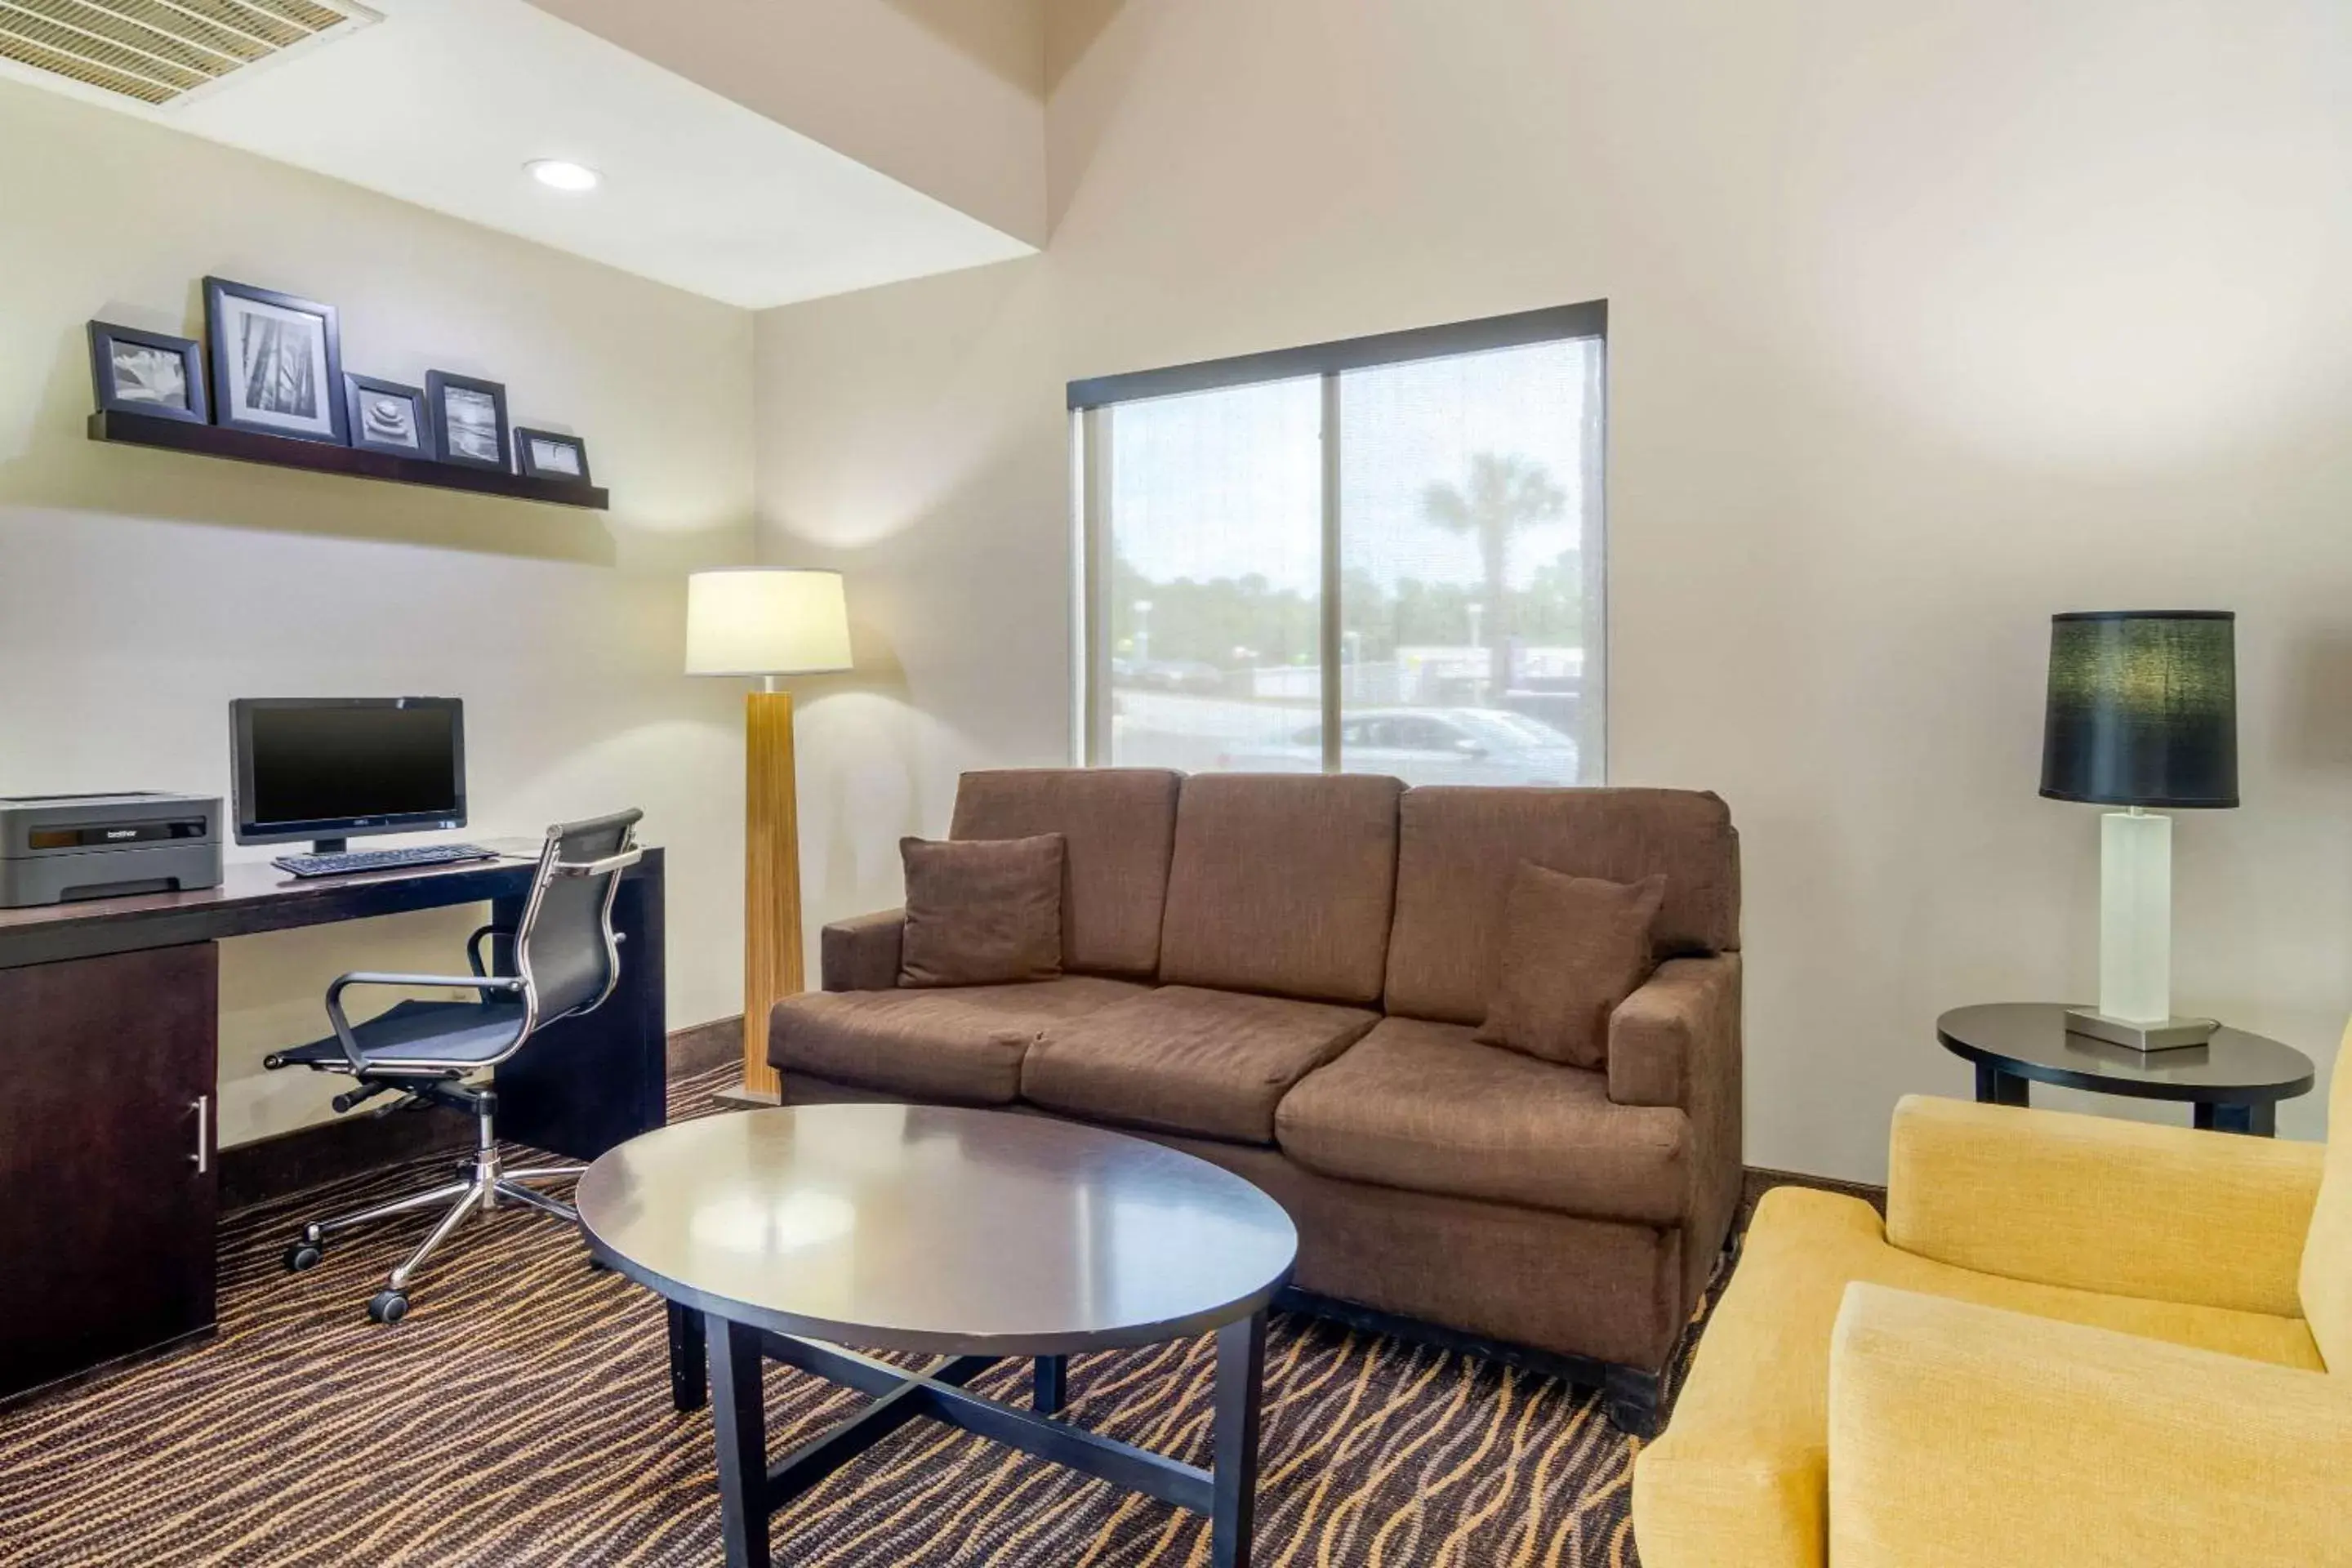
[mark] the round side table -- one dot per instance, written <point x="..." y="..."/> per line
<point x="2232" y="1082"/>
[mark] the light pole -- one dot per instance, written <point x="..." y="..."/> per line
<point x="1477" y="623"/>
<point x="1142" y="630"/>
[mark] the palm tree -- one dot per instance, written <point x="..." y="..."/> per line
<point x="1504" y="494"/>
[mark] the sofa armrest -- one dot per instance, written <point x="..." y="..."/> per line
<point x="1678" y="1031"/>
<point x="861" y="953"/>
<point x="2126" y="1208"/>
<point x="1675" y="1042"/>
<point x="1960" y="1434"/>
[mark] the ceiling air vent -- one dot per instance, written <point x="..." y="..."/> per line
<point x="158" y="51"/>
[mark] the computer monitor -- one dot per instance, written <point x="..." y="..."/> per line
<point x="326" y="769"/>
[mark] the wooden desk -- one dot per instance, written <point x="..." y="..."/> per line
<point x="109" y="1036"/>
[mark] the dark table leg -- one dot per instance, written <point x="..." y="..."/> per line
<point x="1053" y="1385"/>
<point x="688" y="1381"/>
<point x="740" y="1418"/>
<point x="1241" y="1365"/>
<point x="1995" y="1087"/>
<point x="2260" y="1121"/>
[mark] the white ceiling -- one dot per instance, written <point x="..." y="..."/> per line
<point x="443" y="102"/>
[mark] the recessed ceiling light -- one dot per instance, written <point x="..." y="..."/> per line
<point x="563" y="175"/>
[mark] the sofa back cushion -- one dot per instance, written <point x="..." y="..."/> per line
<point x="1458" y="847"/>
<point x="2327" y="1252"/>
<point x="1282" y="883"/>
<point x="1116" y="824"/>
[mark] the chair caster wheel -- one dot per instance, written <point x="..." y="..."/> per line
<point x="303" y="1255"/>
<point x="388" y="1306"/>
<point x="597" y="1264"/>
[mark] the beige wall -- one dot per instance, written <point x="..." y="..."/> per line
<point x="1926" y="323"/>
<point x="946" y="96"/>
<point x="141" y="591"/>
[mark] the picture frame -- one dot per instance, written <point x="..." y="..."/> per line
<point x="277" y="363"/>
<point x="386" y="417"/>
<point x="469" y="420"/>
<point x="152" y="375"/>
<point x="551" y="454"/>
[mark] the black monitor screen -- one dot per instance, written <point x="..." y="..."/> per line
<point x="342" y="762"/>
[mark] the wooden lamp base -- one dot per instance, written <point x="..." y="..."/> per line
<point x="772" y="882"/>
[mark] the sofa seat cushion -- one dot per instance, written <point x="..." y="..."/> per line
<point x="959" y="1044"/>
<point x="1741" y="1473"/>
<point x="1213" y="1064"/>
<point x="1422" y="1107"/>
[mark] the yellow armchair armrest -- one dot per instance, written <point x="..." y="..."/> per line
<point x="1962" y="1434"/>
<point x="2126" y="1208"/>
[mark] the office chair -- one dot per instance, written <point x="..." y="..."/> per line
<point x="566" y="960"/>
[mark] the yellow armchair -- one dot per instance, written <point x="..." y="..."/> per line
<point x="1965" y="1434"/>
<point x="2073" y="1341"/>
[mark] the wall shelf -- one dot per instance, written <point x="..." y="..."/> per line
<point x="317" y="457"/>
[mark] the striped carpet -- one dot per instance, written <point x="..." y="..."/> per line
<point x="521" y="1416"/>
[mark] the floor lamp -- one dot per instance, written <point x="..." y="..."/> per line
<point x="768" y="622"/>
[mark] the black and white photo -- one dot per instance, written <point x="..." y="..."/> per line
<point x="469" y="420"/>
<point x="386" y="417"/>
<point x="134" y="371"/>
<point x="546" y="455"/>
<point x="277" y="361"/>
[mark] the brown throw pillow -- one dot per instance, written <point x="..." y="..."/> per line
<point x="1574" y="948"/>
<point x="981" y="912"/>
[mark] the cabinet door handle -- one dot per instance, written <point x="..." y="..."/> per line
<point x="203" y="1155"/>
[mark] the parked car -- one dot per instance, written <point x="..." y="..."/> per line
<point x="1174" y="675"/>
<point x="1427" y="746"/>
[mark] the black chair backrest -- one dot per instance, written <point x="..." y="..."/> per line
<point x="564" y="946"/>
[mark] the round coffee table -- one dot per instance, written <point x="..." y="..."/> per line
<point x="2234" y="1081"/>
<point x="971" y="1235"/>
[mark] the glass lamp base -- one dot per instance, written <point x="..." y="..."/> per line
<point x="2162" y="1034"/>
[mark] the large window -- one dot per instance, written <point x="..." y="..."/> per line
<point x="1376" y="556"/>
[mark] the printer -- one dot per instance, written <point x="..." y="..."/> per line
<point x="56" y="849"/>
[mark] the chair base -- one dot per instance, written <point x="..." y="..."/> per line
<point x="485" y="1182"/>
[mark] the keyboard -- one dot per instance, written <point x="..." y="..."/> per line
<point x="345" y="862"/>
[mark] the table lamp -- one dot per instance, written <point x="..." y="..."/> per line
<point x="768" y="622"/>
<point x="2142" y="713"/>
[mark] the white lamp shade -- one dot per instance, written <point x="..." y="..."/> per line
<point x="761" y="620"/>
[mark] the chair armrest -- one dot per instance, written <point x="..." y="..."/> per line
<point x="609" y="864"/>
<point x="2126" y="1208"/>
<point x="1676" y="1033"/>
<point x="474" y="960"/>
<point x="861" y="953"/>
<point x="1966" y="1435"/>
<point x="343" y="1026"/>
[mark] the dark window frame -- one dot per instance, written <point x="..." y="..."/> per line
<point x="1089" y="398"/>
<point x="1554" y="324"/>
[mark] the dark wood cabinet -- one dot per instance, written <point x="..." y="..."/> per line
<point x="108" y="1190"/>
<point x="108" y="1063"/>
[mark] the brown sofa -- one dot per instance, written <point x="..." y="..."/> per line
<point x="1282" y="973"/>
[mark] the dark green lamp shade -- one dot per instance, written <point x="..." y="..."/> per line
<point x="2143" y="707"/>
